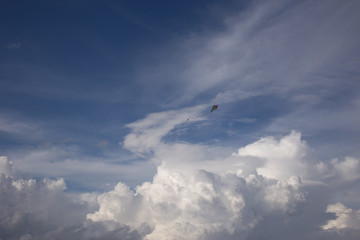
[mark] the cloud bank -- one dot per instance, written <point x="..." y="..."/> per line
<point x="271" y="182"/>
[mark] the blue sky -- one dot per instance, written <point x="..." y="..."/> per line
<point x="94" y="98"/>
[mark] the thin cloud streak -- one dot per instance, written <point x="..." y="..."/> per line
<point x="281" y="48"/>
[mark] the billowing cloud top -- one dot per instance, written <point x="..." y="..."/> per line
<point x="271" y="181"/>
<point x="195" y="200"/>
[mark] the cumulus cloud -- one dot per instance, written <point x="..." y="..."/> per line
<point x="345" y="217"/>
<point x="27" y="204"/>
<point x="283" y="158"/>
<point x="6" y="166"/>
<point x="346" y="170"/>
<point x="209" y="196"/>
<point x="182" y="205"/>
<point x="41" y="209"/>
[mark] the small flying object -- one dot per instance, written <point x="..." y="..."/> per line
<point x="213" y="108"/>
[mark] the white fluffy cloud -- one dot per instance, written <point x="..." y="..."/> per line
<point x="182" y="205"/>
<point x="345" y="217"/>
<point x="346" y="170"/>
<point x="197" y="194"/>
<point x="207" y="198"/>
<point x="6" y="166"/>
<point x="282" y="159"/>
<point x="41" y="209"/>
<point x="27" y="205"/>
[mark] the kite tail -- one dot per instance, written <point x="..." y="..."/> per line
<point x="195" y="117"/>
<point x="214" y="107"/>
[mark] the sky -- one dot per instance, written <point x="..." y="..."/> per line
<point x="106" y="130"/>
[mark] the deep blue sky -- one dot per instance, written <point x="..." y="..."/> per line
<point x="76" y="61"/>
<point x="69" y="69"/>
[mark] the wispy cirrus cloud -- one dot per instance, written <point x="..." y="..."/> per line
<point x="282" y="48"/>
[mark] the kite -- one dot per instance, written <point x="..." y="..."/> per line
<point x="213" y="108"/>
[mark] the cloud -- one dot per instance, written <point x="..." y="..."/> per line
<point x="41" y="209"/>
<point x="346" y="170"/>
<point x="203" y="198"/>
<point x="6" y="167"/>
<point x="12" y="125"/>
<point x="345" y="217"/>
<point x="29" y="205"/>
<point x="283" y="158"/>
<point x="197" y="194"/>
<point x="83" y="172"/>
<point x="148" y="132"/>
<point x="281" y="48"/>
<point x="180" y="205"/>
